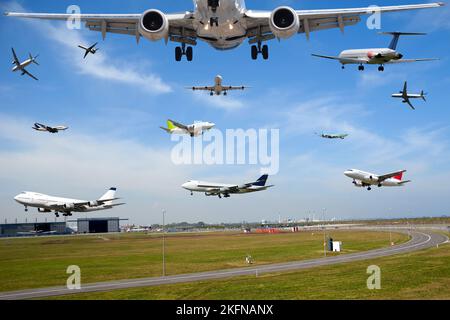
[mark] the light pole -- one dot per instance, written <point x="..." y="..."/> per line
<point x="324" y="236"/>
<point x="164" y="243"/>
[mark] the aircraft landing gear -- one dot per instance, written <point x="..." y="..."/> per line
<point x="211" y="93"/>
<point x="26" y="209"/>
<point x="225" y="93"/>
<point x="192" y="193"/>
<point x="183" y="51"/>
<point x="381" y="68"/>
<point x="257" y="49"/>
<point x="369" y="188"/>
<point x="57" y="214"/>
<point x="361" y="68"/>
<point x="380" y="185"/>
<point x="214" y="21"/>
<point x="343" y="67"/>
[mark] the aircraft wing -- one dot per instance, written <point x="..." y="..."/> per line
<point x="118" y="23"/>
<point x="16" y="60"/>
<point x="29" y="74"/>
<point x="390" y="175"/>
<point x="411" y="60"/>
<point x="410" y="104"/>
<point x="205" y="88"/>
<point x="322" y="19"/>
<point x="230" y="88"/>
<point x="342" y="60"/>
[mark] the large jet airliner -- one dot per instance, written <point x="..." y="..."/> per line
<point x="362" y="179"/>
<point x="225" y="190"/>
<point x="218" y="88"/>
<point x="224" y="24"/>
<point x="47" y="204"/>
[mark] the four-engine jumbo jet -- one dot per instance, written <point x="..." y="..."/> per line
<point x="379" y="56"/>
<point x="47" y="204"/>
<point x="407" y="96"/>
<point x="333" y="136"/>
<point x="362" y="179"/>
<point x="218" y="88"/>
<point x="224" y="24"/>
<point x="225" y="190"/>
<point x="91" y="49"/>
<point x="20" y="66"/>
<point x="43" y="127"/>
<point x="194" y="130"/>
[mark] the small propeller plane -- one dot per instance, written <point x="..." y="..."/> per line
<point x="20" y="66"/>
<point x="91" y="49"/>
<point x="194" y="130"/>
<point x="362" y="179"/>
<point x="43" y="127"/>
<point x="218" y="88"/>
<point x="407" y="96"/>
<point x="332" y="136"/>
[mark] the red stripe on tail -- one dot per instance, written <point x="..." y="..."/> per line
<point x="399" y="177"/>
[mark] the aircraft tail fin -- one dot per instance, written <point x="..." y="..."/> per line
<point x="396" y="37"/>
<point x="33" y="59"/>
<point x="423" y="95"/>
<point x="399" y="176"/>
<point x="170" y="125"/>
<point x="110" y="194"/>
<point x="261" y="182"/>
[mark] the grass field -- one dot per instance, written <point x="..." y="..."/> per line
<point x="42" y="262"/>
<point x="420" y="275"/>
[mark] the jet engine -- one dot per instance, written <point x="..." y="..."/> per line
<point x="69" y="206"/>
<point x="154" y="25"/>
<point x="42" y="210"/>
<point x="284" y="22"/>
<point x="358" y="184"/>
<point x="93" y="204"/>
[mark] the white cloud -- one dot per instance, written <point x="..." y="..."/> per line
<point x="100" y="65"/>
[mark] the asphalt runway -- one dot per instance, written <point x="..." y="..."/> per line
<point x="419" y="240"/>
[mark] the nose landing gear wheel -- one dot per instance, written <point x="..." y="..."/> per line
<point x="361" y="68"/>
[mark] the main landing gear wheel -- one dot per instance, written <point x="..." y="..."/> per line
<point x="257" y="49"/>
<point x="361" y="68"/>
<point x="183" y="51"/>
<point x="369" y="188"/>
<point x="57" y="214"/>
<point x="26" y="209"/>
<point x="381" y="68"/>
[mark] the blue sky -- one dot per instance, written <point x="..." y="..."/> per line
<point x="115" y="101"/>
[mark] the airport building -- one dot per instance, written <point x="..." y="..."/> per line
<point x="98" y="225"/>
<point x="33" y="229"/>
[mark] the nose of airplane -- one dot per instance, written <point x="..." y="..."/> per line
<point x="185" y="185"/>
<point x="348" y="173"/>
<point x="16" y="198"/>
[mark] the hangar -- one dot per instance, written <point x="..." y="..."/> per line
<point x="98" y="225"/>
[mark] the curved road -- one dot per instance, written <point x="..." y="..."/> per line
<point x="419" y="240"/>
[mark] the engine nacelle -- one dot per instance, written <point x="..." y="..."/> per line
<point x="154" y="25"/>
<point x="42" y="210"/>
<point x="69" y="206"/>
<point x="284" y="22"/>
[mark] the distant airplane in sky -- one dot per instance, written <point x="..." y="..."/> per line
<point x="332" y="136"/>
<point x="20" y="66"/>
<point x="224" y="24"/>
<point x="218" y="88"/>
<point x="43" y="127"/>
<point x="194" y="130"/>
<point x="47" y="204"/>
<point x="407" y="96"/>
<point x="87" y="50"/>
<point x="225" y="190"/>
<point x="379" y="56"/>
<point x="364" y="179"/>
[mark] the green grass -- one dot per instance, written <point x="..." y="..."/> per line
<point x="42" y="262"/>
<point x="420" y="275"/>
